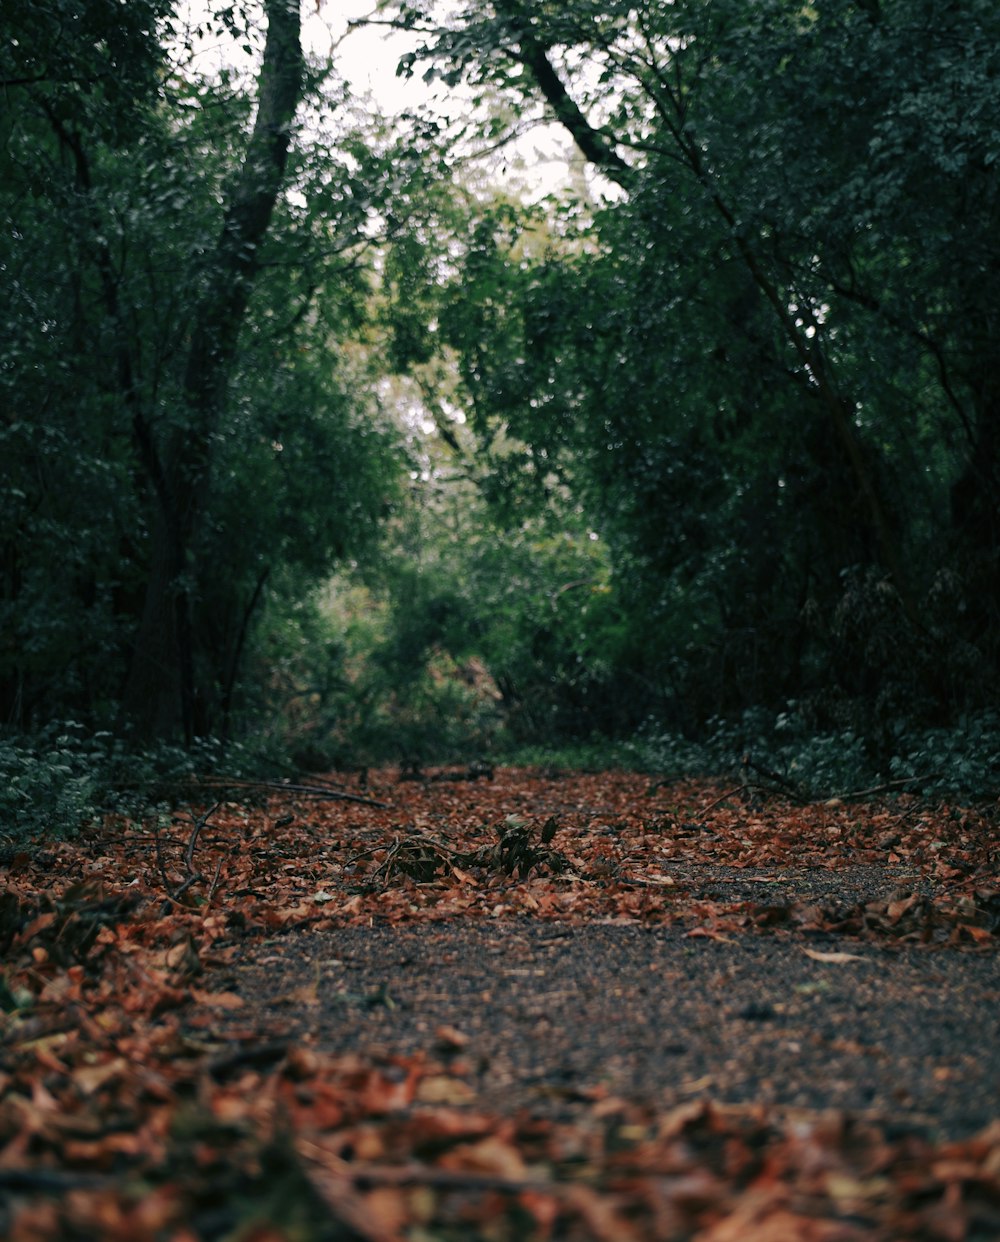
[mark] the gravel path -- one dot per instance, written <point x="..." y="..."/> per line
<point x="543" y="1016"/>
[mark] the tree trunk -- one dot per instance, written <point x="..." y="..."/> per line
<point x="160" y="690"/>
<point x="975" y="512"/>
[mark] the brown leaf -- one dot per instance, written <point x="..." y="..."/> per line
<point x="450" y="1038"/>
<point x="218" y="1000"/>
<point x="492" y="1154"/>
<point x="835" y="956"/>
<point x="90" y="1078"/>
<point x="444" y="1089"/>
<point x="604" y="1222"/>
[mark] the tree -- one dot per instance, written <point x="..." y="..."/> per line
<point x="161" y="679"/>
<point x="770" y="342"/>
<point x="753" y="357"/>
<point x="77" y="79"/>
<point x="180" y="454"/>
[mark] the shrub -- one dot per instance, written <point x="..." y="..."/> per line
<point x="48" y="782"/>
<point x="55" y="781"/>
<point x="962" y="760"/>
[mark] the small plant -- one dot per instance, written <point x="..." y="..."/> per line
<point x="55" y="781"/>
<point x="780" y="749"/>
<point x="48" y="782"/>
<point x="964" y="759"/>
<point x="516" y="849"/>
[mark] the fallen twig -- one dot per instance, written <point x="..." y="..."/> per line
<point x="199" y="823"/>
<point x="416" y="855"/>
<point x="885" y="787"/>
<point x="213" y="887"/>
<point x="412" y="1174"/>
<point x="193" y="877"/>
<point x="730" y="793"/>
<point x="789" y="786"/>
<point x="312" y="791"/>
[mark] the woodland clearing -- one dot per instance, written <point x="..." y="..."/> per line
<point x="522" y="1004"/>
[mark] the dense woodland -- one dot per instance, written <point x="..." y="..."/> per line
<point x="319" y="433"/>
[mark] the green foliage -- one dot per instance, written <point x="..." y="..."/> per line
<point x="963" y="760"/>
<point x="118" y="167"/>
<point x="787" y="753"/>
<point x="599" y="754"/>
<point x="62" y="777"/>
<point x="341" y="685"/>
<point x="764" y="748"/>
<point x="722" y="438"/>
<point x="48" y="782"/>
<point x="762" y="367"/>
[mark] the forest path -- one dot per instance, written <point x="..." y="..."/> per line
<point x="550" y="939"/>
<point x="584" y="1006"/>
<point x="551" y="1017"/>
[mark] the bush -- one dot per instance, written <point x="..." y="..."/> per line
<point x="759" y="742"/>
<point x="48" y="782"/>
<point x="963" y="760"/>
<point x="55" y="781"/>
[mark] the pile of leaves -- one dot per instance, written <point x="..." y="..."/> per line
<point x="125" y="1114"/>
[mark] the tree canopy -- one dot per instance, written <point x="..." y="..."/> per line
<point x="310" y="415"/>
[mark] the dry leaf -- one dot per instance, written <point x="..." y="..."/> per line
<point x="444" y="1089"/>
<point x="218" y="1000"/>
<point x="116" y="1076"/>
<point x="490" y="1155"/>
<point x="836" y="956"/>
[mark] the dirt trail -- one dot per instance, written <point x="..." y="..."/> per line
<point x="547" y="1016"/>
<point x="585" y="1006"/>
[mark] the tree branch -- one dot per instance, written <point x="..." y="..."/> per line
<point x="595" y="145"/>
<point x="598" y="149"/>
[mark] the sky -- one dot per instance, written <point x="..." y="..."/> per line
<point x="368" y="56"/>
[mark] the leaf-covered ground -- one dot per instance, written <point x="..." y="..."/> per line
<point x="539" y="1006"/>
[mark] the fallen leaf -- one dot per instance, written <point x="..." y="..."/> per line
<point x="90" y="1078"/>
<point x="490" y="1155"/>
<point x="443" y="1089"/>
<point x="707" y="933"/>
<point x="449" y="1037"/>
<point x="117" y="1073"/>
<point x="218" y="1000"/>
<point x="836" y="956"/>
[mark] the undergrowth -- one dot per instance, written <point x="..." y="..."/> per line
<point x="783" y="751"/>
<point x="55" y="781"/>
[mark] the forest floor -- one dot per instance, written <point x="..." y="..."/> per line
<point x="539" y="1006"/>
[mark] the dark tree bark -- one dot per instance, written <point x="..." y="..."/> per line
<point x="160" y="691"/>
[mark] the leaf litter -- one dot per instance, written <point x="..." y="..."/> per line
<point x="143" y="1096"/>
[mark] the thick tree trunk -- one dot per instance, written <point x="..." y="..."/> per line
<point x="975" y="499"/>
<point x="159" y="695"/>
<point x="975" y="512"/>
